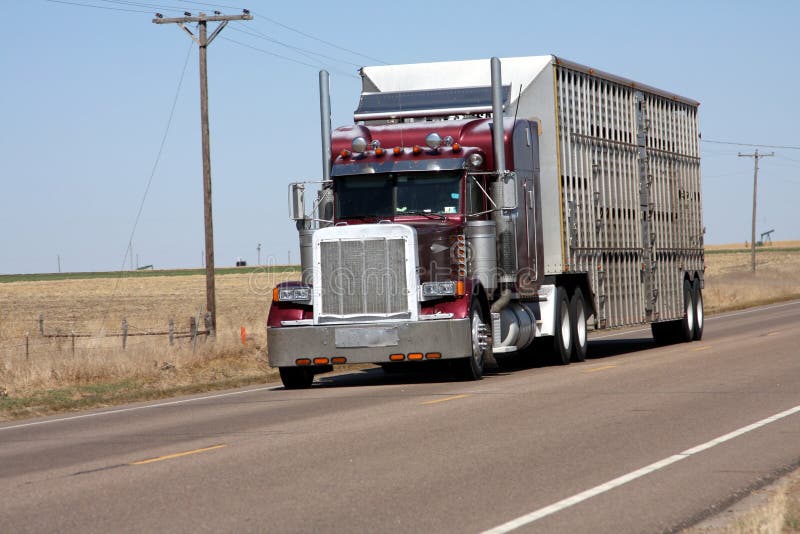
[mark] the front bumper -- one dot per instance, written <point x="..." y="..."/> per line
<point x="369" y="342"/>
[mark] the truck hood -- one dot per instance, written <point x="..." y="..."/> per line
<point x="436" y="244"/>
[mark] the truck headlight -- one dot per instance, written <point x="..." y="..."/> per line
<point x="292" y="294"/>
<point x="447" y="288"/>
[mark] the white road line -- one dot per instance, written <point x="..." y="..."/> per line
<point x="137" y="408"/>
<point x="712" y="318"/>
<point x="633" y="475"/>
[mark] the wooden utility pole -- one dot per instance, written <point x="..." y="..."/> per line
<point x="755" y="157"/>
<point x="203" y="40"/>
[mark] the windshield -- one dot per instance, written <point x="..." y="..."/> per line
<point x="390" y="194"/>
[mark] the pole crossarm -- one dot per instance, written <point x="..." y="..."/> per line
<point x="202" y="18"/>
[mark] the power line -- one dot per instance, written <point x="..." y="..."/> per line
<point x="108" y="8"/>
<point x="292" y="29"/>
<point x="149" y="181"/>
<point x="287" y="58"/>
<point x="748" y="144"/>
<point x="308" y="53"/>
<point x="304" y="34"/>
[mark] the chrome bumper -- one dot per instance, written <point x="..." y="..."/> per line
<point x="369" y="342"/>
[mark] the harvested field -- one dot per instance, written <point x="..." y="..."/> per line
<point x="97" y="306"/>
<point x="731" y="285"/>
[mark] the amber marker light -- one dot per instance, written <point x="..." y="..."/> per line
<point x="397" y="150"/>
<point x="397" y="357"/>
<point x="320" y="361"/>
<point x="461" y="289"/>
<point x="303" y="361"/>
<point x="338" y="360"/>
<point x="417" y="150"/>
<point x="345" y="153"/>
<point x="434" y="355"/>
<point x="379" y="152"/>
<point x="415" y="356"/>
<point x="456" y="147"/>
<point x="275" y="294"/>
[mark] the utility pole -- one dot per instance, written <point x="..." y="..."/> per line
<point x="58" y="256"/>
<point x="258" y="248"/>
<point x="203" y="40"/>
<point x="755" y="157"/>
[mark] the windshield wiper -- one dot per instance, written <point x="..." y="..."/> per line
<point x="427" y="214"/>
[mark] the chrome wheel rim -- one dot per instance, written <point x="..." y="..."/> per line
<point x="581" y="326"/>
<point x="477" y="327"/>
<point x="566" y="331"/>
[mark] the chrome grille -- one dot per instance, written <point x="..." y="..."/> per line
<point x="365" y="277"/>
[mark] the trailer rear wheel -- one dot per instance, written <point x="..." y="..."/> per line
<point x="296" y="377"/>
<point x="686" y="328"/>
<point x="699" y="318"/>
<point x="471" y="368"/>
<point x="562" y="340"/>
<point x="577" y="307"/>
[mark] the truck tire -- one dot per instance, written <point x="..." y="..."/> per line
<point x="471" y="368"/>
<point x="699" y="317"/>
<point x="296" y="377"/>
<point x="686" y="325"/>
<point x="577" y="307"/>
<point x="562" y="340"/>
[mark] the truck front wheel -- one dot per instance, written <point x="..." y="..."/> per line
<point x="296" y="377"/>
<point x="472" y="367"/>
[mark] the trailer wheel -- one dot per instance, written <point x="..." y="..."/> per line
<point x="471" y="368"/>
<point x="577" y="307"/>
<point x="699" y="318"/>
<point x="686" y="329"/>
<point x="562" y="340"/>
<point x="296" y="377"/>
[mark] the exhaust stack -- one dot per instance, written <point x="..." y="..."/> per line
<point x="502" y="190"/>
<point x="497" y="117"/>
<point x="325" y="122"/>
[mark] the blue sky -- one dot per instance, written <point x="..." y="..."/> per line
<point x="86" y="94"/>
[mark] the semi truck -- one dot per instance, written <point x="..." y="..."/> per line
<point x="482" y="209"/>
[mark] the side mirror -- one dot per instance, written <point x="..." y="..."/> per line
<point x="297" y="202"/>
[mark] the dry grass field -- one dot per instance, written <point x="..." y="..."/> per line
<point x="731" y="285"/>
<point x="50" y="375"/>
<point x="149" y="364"/>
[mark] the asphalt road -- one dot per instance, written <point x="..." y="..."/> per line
<point x="638" y="438"/>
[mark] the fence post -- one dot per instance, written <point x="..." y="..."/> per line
<point x="193" y="329"/>
<point x="41" y="324"/>
<point x="27" y="349"/>
<point x="73" y="342"/>
<point x="124" y="333"/>
<point x="171" y="332"/>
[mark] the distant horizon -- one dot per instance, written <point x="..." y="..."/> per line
<point x="782" y="243"/>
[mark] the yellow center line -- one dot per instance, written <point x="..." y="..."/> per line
<point x="698" y="349"/>
<point x="177" y="455"/>
<point x="445" y="399"/>
<point x="596" y="369"/>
